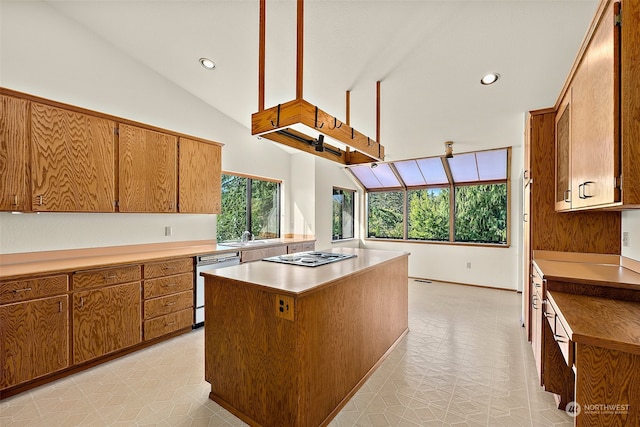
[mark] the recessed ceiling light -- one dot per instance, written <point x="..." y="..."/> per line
<point x="207" y="63"/>
<point x="490" y="79"/>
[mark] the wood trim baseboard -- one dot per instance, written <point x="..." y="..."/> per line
<point x="463" y="284"/>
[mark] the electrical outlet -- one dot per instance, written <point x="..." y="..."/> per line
<point x="625" y="238"/>
<point x="468" y="265"/>
<point x="168" y="231"/>
<point x="284" y="307"/>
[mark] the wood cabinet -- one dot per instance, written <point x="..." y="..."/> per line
<point x="60" y="158"/>
<point x="34" y="329"/>
<point x="106" y="317"/>
<point x="168" y="296"/>
<point x="72" y="161"/>
<point x="563" y="159"/>
<point x="249" y="255"/>
<point x="147" y="170"/>
<point x="597" y="123"/>
<point x="14" y="154"/>
<point x="592" y="348"/>
<point x="543" y="227"/>
<point x="200" y="169"/>
<point x="307" y="364"/>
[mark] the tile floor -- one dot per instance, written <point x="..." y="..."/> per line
<point x="465" y="362"/>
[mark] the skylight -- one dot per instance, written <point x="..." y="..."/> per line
<point x="464" y="168"/>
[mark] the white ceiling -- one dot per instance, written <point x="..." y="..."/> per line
<point x="428" y="55"/>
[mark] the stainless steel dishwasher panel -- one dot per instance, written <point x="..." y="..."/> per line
<point x="206" y="263"/>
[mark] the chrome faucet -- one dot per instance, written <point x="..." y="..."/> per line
<point x="246" y="236"/>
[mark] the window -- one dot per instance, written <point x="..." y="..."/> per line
<point x="481" y="213"/>
<point x="428" y="214"/>
<point x="385" y="214"/>
<point x="248" y="203"/>
<point x="460" y="199"/>
<point x="343" y="209"/>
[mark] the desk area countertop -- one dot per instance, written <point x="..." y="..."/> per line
<point x="602" y="322"/>
<point x="46" y="262"/>
<point x="298" y="280"/>
<point x="589" y="269"/>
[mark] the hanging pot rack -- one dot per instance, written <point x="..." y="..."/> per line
<point x="292" y="123"/>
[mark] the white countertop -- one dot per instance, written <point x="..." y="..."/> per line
<point x="295" y="279"/>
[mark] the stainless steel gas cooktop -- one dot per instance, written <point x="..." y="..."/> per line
<point x="309" y="259"/>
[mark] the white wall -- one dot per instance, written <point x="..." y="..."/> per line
<point x="301" y="194"/>
<point x="328" y="175"/>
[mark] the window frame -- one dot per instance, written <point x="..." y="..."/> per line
<point x="353" y="214"/>
<point x="249" y="213"/>
<point x="452" y="207"/>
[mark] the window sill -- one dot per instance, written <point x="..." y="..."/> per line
<point x="345" y="240"/>
<point x="435" y="242"/>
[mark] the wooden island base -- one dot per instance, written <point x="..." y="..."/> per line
<point x="300" y="365"/>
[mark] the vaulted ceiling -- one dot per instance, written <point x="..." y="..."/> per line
<point x="428" y="55"/>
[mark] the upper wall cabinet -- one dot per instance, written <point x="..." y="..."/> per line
<point x="72" y="161"/>
<point x="147" y="170"/>
<point x="61" y="158"/>
<point x="14" y="154"/>
<point x="598" y="117"/>
<point x="199" y="176"/>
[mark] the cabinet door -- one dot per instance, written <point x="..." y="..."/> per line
<point x="200" y="166"/>
<point x="33" y="339"/>
<point x="14" y="119"/>
<point x="595" y="150"/>
<point x="563" y="159"/>
<point x="72" y="161"/>
<point x="147" y="170"/>
<point x="106" y="320"/>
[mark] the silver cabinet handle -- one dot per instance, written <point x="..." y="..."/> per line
<point x="15" y="291"/>
<point x="567" y="196"/>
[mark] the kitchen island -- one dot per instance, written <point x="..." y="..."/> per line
<point x="289" y="345"/>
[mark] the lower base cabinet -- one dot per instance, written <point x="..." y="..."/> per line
<point x="106" y="320"/>
<point x="168" y="297"/>
<point x="33" y="339"/>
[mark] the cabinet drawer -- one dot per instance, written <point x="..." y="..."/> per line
<point x="168" y="304"/>
<point x="166" y="324"/>
<point x="168" y="285"/>
<point x="308" y="246"/>
<point x="550" y="314"/>
<point x="256" y="254"/>
<point x="21" y="290"/>
<point x="106" y="276"/>
<point x="562" y="338"/>
<point x="168" y="267"/>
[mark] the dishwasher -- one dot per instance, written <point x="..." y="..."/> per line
<point x="206" y="263"/>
